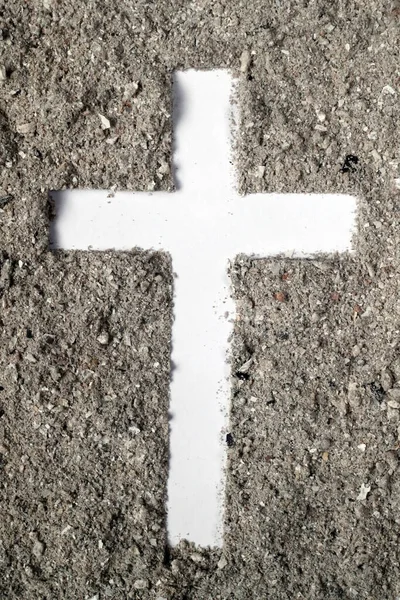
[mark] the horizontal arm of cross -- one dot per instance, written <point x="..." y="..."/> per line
<point x="257" y="224"/>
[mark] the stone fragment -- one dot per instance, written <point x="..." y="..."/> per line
<point x="30" y="358"/>
<point x="103" y="338"/>
<point x="353" y="394"/>
<point x="131" y="90"/>
<point x="26" y="128"/>
<point x="38" y="549"/>
<point x="196" y="557"/>
<point x="387" y="89"/>
<point x="394" y="396"/>
<point x="246" y="366"/>
<point x="112" y="141"/>
<point x="386" y="380"/>
<point x="141" y="584"/>
<point x="245" y="61"/>
<point x="222" y="562"/>
<point x="364" y="491"/>
<point x="260" y="171"/>
<point x="105" y="123"/>
<point x="393" y="404"/>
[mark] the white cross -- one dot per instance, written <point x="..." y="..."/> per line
<point x="203" y="225"/>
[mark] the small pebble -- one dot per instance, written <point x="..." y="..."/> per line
<point x="280" y="296"/>
<point x="245" y="367"/>
<point x="131" y="90"/>
<point x="30" y="358"/>
<point x="386" y="380"/>
<point x="105" y="123"/>
<point x="141" y="584"/>
<point x="370" y="270"/>
<point x="222" y="562"/>
<point x="393" y="404"/>
<point x="260" y="171"/>
<point x="26" y="128"/>
<point x="394" y="394"/>
<point x="112" y="141"/>
<point x="364" y="491"/>
<point x="103" y="338"/>
<point x="196" y="557"/>
<point x="66" y="529"/>
<point x="387" y="89"/>
<point x="176" y="566"/>
<point x="245" y="60"/>
<point x="134" y="429"/>
<point x="38" y="549"/>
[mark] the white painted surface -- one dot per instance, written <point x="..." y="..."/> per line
<point x="203" y="225"/>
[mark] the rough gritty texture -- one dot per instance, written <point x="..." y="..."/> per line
<point x="318" y="81"/>
<point x="83" y="423"/>
<point x="323" y="382"/>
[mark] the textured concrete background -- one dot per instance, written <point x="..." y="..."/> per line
<point x="312" y="492"/>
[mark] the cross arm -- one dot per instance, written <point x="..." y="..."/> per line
<point x="307" y="223"/>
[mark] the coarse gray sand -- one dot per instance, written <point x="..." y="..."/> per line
<point x="312" y="499"/>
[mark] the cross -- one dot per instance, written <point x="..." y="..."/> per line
<point x="203" y="225"/>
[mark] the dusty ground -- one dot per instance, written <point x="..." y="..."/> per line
<point x="312" y="491"/>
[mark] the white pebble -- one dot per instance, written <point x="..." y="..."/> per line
<point x="103" y="338"/>
<point x="105" y="123"/>
<point x="364" y="491"/>
<point x="222" y="562"/>
<point x="245" y="61"/>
